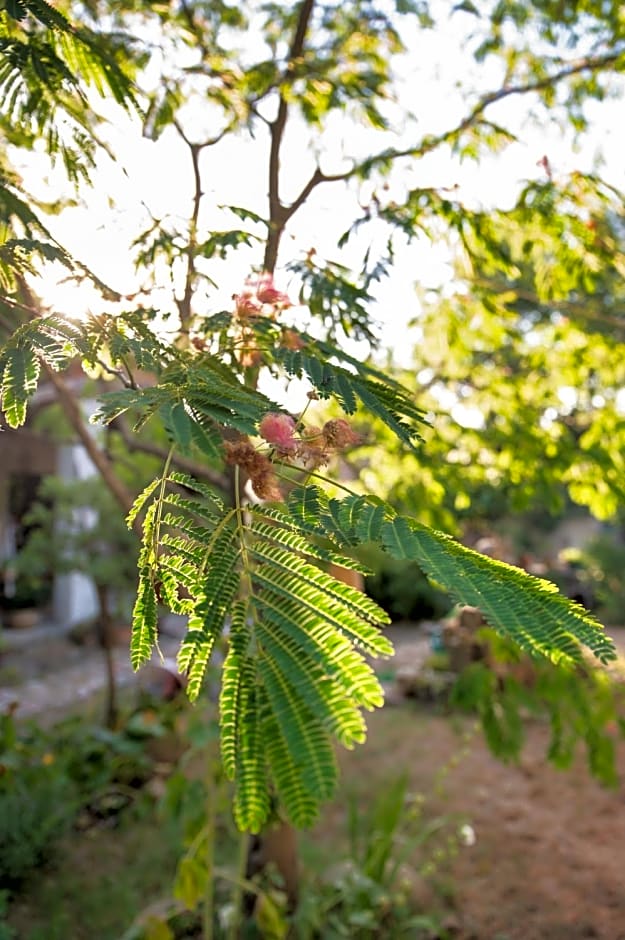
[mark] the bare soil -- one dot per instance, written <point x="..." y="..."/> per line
<point x="548" y="861"/>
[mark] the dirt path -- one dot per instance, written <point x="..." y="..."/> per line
<point x="58" y="677"/>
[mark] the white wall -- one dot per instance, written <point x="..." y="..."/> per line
<point x="74" y="596"/>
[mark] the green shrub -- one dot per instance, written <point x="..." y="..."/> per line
<point x="47" y="776"/>
<point x="37" y="801"/>
<point x="583" y="707"/>
<point x="603" y="563"/>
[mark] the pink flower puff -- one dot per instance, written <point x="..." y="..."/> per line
<point x="278" y="429"/>
<point x="268" y="293"/>
<point x="258" y="293"/>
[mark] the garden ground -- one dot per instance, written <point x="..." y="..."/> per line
<point x="547" y="862"/>
<point x="549" y="851"/>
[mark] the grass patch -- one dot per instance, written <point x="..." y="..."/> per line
<point x="100" y="879"/>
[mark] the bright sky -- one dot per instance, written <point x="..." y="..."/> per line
<point x="157" y="175"/>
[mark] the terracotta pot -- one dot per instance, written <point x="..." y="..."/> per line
<point x="23" y="619"/>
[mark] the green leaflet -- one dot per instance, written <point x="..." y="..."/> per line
<point x="218" y="588"/>
<point x="144" y="620"/>
<point x="309" y="747"/>
<point x="528" y="609"/>
<point x="178" y="424"/>
<point x="313" y="636"/>
<point x="48" y="338"/>
<point x="324" y="696"/>
<point x="300" y="805"/>
<point x="274" y="525"/>
<point x="41" y="10"/>
<point x="144" y="615"/>
<point x="235" y="673"/>
<point x="141" y="500"/>
<point x="144" y="401"/>
<point x="251" y="798"/>
<point x="19" y="382"/>
<point x="311" y="599"/>
<point x="336" y="590"/>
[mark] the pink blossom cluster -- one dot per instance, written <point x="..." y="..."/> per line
<point x="314" y="445"/>
<point x="260" y="297"/>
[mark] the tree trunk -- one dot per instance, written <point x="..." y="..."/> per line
<point x="105" y="639"/>
<point x="275" y="846"/>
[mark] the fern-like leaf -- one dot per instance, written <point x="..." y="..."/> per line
<point x="325" y="697"/>
<point x="232" y="678"/>
<point x="388" y="401"/>
<point x="145" y="613"/>
<point x="211" y="609"/>
<point x="141" y="500"/>
<point x="309" y="747"/>
<point x="516" y="604"/>
<point x="279" y="528"/>
<point x="316" y="599"/>
<point x="529" y="610"/>
<point x="144" y="620"/>
<point x="319" y="641"/>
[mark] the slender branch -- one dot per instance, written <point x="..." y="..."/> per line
<point x="184" y="303"/>
<point x="315" y="179"/>
<point x="125" y="380"/>
<point x="278" y="214"/>
<point x="29" y="307"/>
<point x="201" y="145"/>
<point x="428" y="144"/>
<point x="132" y="442"/>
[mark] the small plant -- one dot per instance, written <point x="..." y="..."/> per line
<point x="49" y="780"/>
<point x="370" y="893"/>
